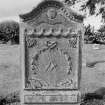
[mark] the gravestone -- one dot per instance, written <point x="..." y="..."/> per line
<point x="51" y="58"/>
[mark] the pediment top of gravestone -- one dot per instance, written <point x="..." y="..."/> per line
<point x="52" y="6"/>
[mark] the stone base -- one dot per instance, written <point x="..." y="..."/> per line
<point x="51" y="97"/>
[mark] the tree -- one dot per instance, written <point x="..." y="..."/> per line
<point x="91" y="5"/>
<point x="95" y="8"/>
<point x="89" y="34"/>
<point x="9" y="31"/>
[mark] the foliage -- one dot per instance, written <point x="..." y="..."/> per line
<point x="94" y="37"/>
<point x="9" y="30"/>
<point x="91" y="5"/>
<point x="88" y="35"/>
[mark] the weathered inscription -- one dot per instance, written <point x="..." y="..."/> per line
<point x="59" y="97"/>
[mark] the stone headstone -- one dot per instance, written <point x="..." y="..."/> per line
<point x="51" y="42"/>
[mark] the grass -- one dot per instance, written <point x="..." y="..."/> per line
<point x="91" y="78"/>
<point x="9" y="69"/>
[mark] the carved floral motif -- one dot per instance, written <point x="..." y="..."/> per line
<point x="31" y="42"/>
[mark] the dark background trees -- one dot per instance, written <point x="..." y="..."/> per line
<point x="91" y="35"/>
<point x="99" y="36"/>
<point x="9" y="31"/>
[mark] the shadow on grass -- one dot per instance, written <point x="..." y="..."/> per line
<point x="95" y="98"/>
<point x="13" y="98"/>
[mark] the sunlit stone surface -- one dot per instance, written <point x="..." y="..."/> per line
<point x="51" y="41"/>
